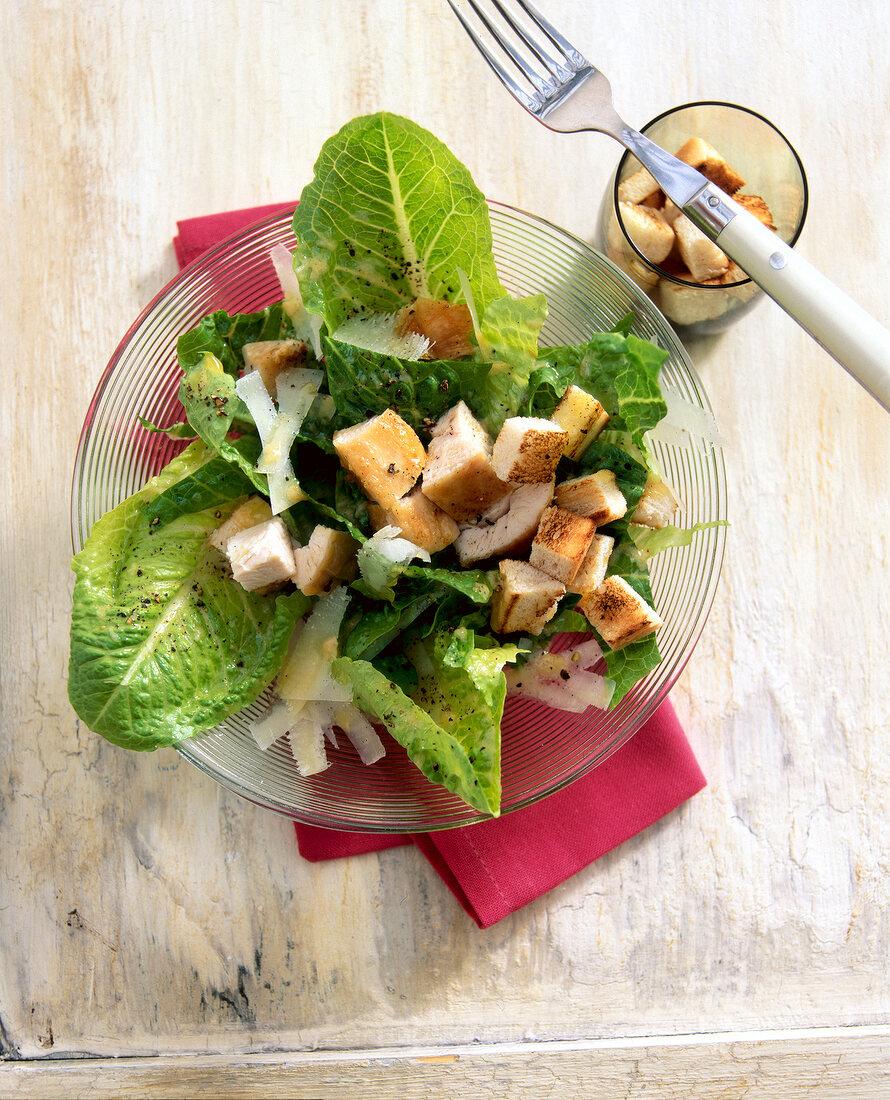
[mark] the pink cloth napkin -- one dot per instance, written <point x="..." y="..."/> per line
<point x="498" y="866"/>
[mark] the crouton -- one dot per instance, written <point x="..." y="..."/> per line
<point x="648" y="230"/>
<point x="704" y="259"/>
<point x="756" y="205"/>
<point x="252" y="511"/>
<point x="688" y="305"/>
<point x="592" y="570"/>
<point x="458" y="475"/>
<point x="697" y="153"/>
<point x="617" y="613"/>
<point x="657" y="505"/>
<point x="561" y="541"/>
<point x="419" y="519"/>
<point x="528" y="449"/>
<point x="594" y="495"/>
<point x="526" y="599"/>
<point x="384" y="454"/>
<point x="637" y="187"/>
<point x="447" y="325"/>
<point x="270" y="357"/>
<point x="328" y="557"/>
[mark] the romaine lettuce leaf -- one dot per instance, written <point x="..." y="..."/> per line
<point x="390" y="216"/>
<point x="164" y="645"/>
<point x="651" y="541"/>
<point x="225" y="334"/>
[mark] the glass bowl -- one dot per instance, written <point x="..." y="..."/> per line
<point x="543" y="750"/>
<point x="771" y="168"/>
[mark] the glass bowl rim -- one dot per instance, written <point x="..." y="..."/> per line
<point x="795" y="237"/>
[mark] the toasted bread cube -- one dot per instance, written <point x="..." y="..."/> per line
<point x="262" y="555"/>
<point x="507" y="529"/>
<point x="618" y="614"/>
<point x="687" y="305"/>
<point x="592" y="570"/>
<point x="734" y="274"/>
<point x="637" y="187"/>
<point x="648" y="229"/>
<point x="561" y="541"/>
<point x="459" y="476"/>
<point x="594" y="495"/>
<point x="328" y="557"/>
<point x="526" y="599"/>
<point x="582" y="416"/>
<point x="756" y="205"/>
<point x="421" y="521"/>
<point x="704" y="259"/>
<point x="447" y="325"/>
<point x="528" y="449"/>
<point x="657" y="505"/>
<point x="271" y="357"/>
<point x="384" y="454"/>
<point x="252" y="511"/>
<point x="697" y="153"/>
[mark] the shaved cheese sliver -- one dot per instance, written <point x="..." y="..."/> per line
<point x="253" y="393"/>
<point x="307" y="746"/>
<point x="307" y="325"/>
<point x="273" y="724"/>
<point x="387" y="541"/>
<point x="361" y="733"/>
<point x="377" y="332"/>
<point x="307" y="672"/>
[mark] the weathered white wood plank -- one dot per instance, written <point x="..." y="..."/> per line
<point x="144" y="912"/>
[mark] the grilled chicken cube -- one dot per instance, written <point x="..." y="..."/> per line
<point x="326" y="559"/>
<point x="618" y="614"/>
<point x="261" y="555"/>
<point x="421" y="521"/>
<point x="253" y="511"/>
<point x="271" y="357"/>
<point x="511" y="533"/>
<point x="528" y="449"/>
<point x="657" y="505"/>
<point x="582" y="416"/>
<point x="458" y="475"/>
<point x="384" y="454"/>
<point x="595" y="495"/>
<point x="561" y="542"/>
<point x="525" y="599"/>
<point x="592" y="570"/>
<point x="447" y="325"/>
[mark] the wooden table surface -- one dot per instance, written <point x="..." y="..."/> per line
<point x="158" y="935"/>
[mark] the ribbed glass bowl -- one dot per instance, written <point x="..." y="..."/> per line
<point x="543" y="750"/>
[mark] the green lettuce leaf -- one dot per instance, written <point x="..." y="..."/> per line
<point x="650" y="541"/>
<point x="390" y="216"/>
<point x="165" y="645"/>
<point x="224" y="335"/>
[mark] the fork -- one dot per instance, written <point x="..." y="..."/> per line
<point x="553" y="81"/>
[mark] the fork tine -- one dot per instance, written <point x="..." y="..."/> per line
<point x="555" y="68"/>
<point x="575" y="58"/>
<point x="527" y="101"/>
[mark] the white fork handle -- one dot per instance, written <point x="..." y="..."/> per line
<point x="847" y="332"/>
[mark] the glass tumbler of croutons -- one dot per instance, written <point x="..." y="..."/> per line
<point x="694" y="283"/>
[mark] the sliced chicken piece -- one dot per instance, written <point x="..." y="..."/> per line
<point x="618" y="614"/>
<point x="254" y="510"/>
<point x="595" y="495"/>
<point x="713" y="165"/>
<point x="326" y="559"/>
<point x="262" y="555"/>
<point x="271" y="357"/>
<point x="526" y="599"/>
<point x="512" y="533"/>
<point x="582" y="416"/>
<point x="592" y="570"/>
<point x="528" y="449"/>
<point x="458" y="475"/>
<point x="561" y="541"/>
<point x="384" y="454"/>
<point x="657" y="505"/>
<point x="421" y="522"/>
<point x="648" y="230"/>
<point x="447" y="325"/>
<point x="704" y="259"/>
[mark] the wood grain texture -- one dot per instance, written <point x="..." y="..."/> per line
<point x="145" y="912"/>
